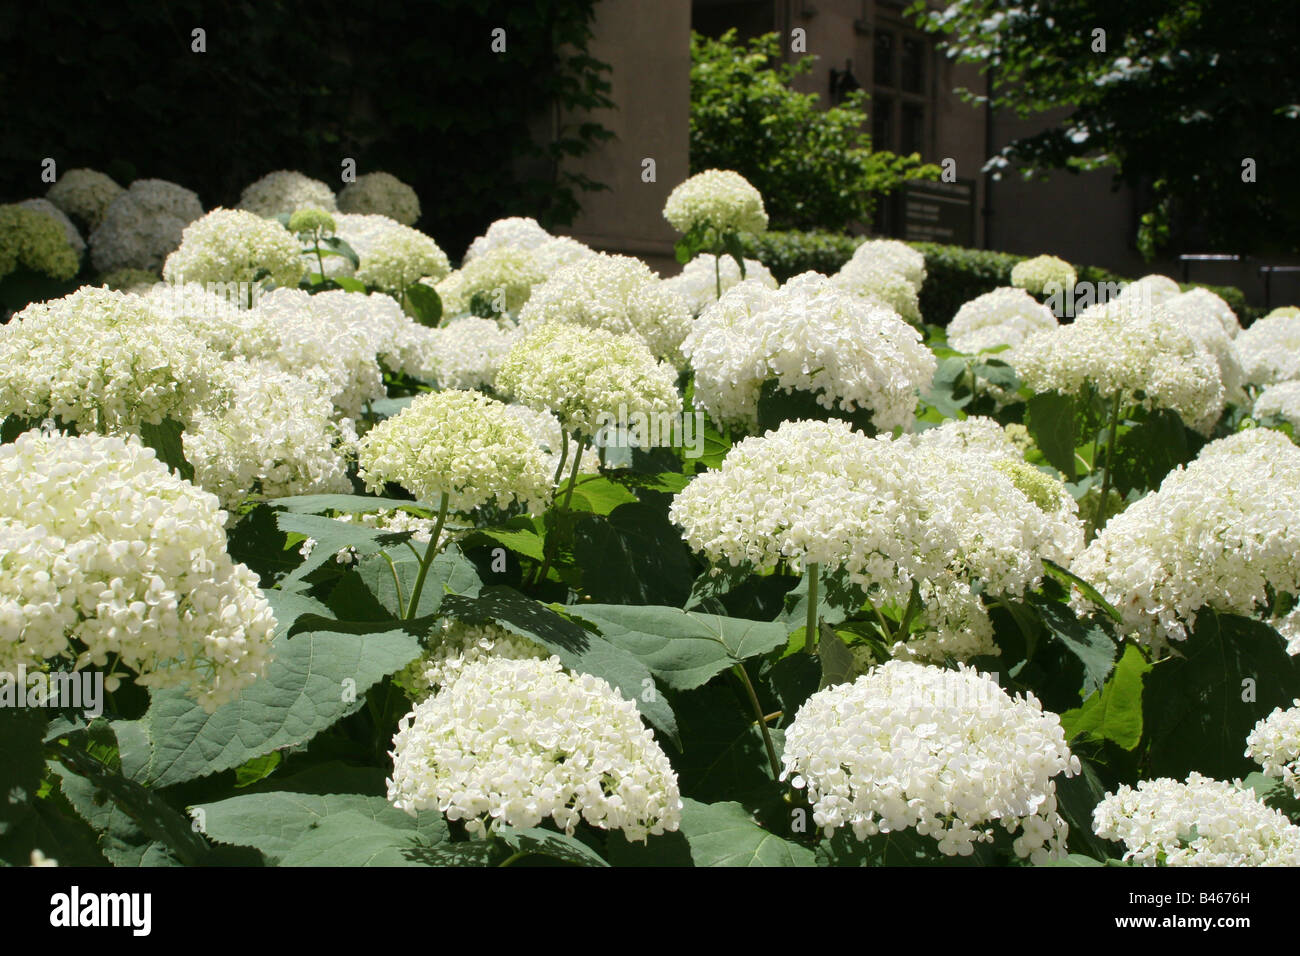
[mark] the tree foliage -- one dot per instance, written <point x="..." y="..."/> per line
<point x="814" y="167"/>
<point x="1174" y="96"/>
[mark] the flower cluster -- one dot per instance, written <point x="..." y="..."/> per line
<point x="142" y="226"/>
<point x="1270" y="348"/>
<point x="398" y="257"/>
<point x="130" y="280"/>
<point x="103" y="361"/>
<point x="381" y="194"/>
<point x="521" y="741"/>
<point x="457" y="644"/>
<point x="460" y="444"/>
<point x="893" y="256"/>
<point x="106" y="556"/>
<point x="277" y="437"/>
<point x="466" y="352"/>
<point x="1274" y="744"/>
<point x="47" y="208"/>
<point x="1218" y="533"/>
<point x="582" y="374"/>
<point x="231" y="245"/>
<point x="1149" y="291"/>
<point x="716" y="199"/>
<point x="874" y="282"/>
<point x="1210" y="327"/>
<point x="36" y="242"/>
<point x="697" y="283"/>
<point x="1282" y="401"/>
<point x="945" y="752"/>
<point x="812" y="336"/>
<point x="519" y="232"/>
<point x="84" y="194"/>
<point x="619" y="294"/>
<point x="285" y="191"/>
<point x="1140" y="353"/>
<point x="1043" y="274"/>
<point x="1005" y="316"/>
<point x="1202" y="822"/>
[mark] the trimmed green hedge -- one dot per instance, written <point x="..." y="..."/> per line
<point x="954" y="274"/>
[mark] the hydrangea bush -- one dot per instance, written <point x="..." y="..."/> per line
<point x="549" y="559"/>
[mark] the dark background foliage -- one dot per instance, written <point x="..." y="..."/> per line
<point x="410" y="88"/>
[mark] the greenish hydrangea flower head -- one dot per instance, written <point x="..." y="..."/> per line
<point x="311" y="220"/>
<point x="381" y="194"/>
<point x="585" y="376"/>
<point x="1043" y="273"/>
<point x="460" y="444"/>
<point x="1038" y="486"/>
<point x="286" y="191"/>
<point x="400" y="256"/>
<point x="717" y="199"/>
<point x="31" y="240"/>
<point x="130" y="280"/>
<point x="84" y="194"/>
<point x="231" y="245"/>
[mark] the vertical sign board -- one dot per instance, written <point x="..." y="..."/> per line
<point x="939" y="212"/>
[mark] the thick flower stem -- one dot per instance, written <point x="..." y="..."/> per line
<point x="549" y="552"/>
<point x="429" y="553"/>
<point x="1100" y="518"/>
<point x="810" y="628"/>
<point x="717" y="271"/>
<point x="762" y="721"/>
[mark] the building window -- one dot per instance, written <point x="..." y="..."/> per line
<point x="901" y="88"/>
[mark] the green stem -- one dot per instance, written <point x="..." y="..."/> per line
<point x="564" y="457"/>
<point x="1110" y="467"/>
<point x="762" y="722"/>
<point x="319" y="260"/>
<point x="717" y="271"/>
<point x="810" y="627"/>
<point x="549" y="551"/>
<point x="429" y="553"/>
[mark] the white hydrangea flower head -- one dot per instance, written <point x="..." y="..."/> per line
<point x="697" y="283"/>
<point x="893" y="256"/>
<point x="1270" y="348"/>
<point x="218" y="318"/>
<point x="104" y="361"/>
<point x="1005" y="316"/>
<point x="399" y="256"/>
<point x="546" y="432"/>
<point x="1288" y="625"/>
<point x="396" y="340"/>
<point x="947" y="753"/>
<point x="1206" y="303"/>
<point x="521" y="232"/>
<point x="286" y="191"/>
<point x="1203" y="822"/>
<point x="84" y="194"/>
<point x="953" y="625"/>
<point x="139" y="281"/>
<point x="341" y="356"/>
<point x="560" y="251"/>
<point x="1274" y="744"/>
<point x="1282" y="401"/>
<point x="585" y="376"/>
<point x="619" y="294"/>
<point x="503" y="277"/>
<point x="106" y="555"/>
<point x="35" y="241"/>
<point x="466" y="352"/>
<point x="873" y="281"/>
<point x="461" y="444"/>
<point x="522" y="741"/>
<point x="977" y="436"/>
<point x="142" y="226"/>
<point x="807" y="335"/>
<point x="1129" y="349"/>
<point x="718" y="199"/>
<point x="232" y="245"/>
<point x="1217" y="533"/>
<point x="47" y="208"/>
<point x="1043" y="274"/>
<point x="1149" y="291"/>
<point x="456" y="644"/>
<point x="360" y="231"/>
<point x="381" y="194"/>
<point x="276" y="438"/>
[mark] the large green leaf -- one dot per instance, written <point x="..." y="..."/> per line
<point x="276" y="821"/>
<point x="351" y="838"/>
<point x="22" y="761"/>
<point x="724" y="834"/>
<point x="1049" y="417"/>
<point x="535" y="841"/>
<point x="632" y="556"/>
<point x="724" y="757"/>
<point x="165" y="439"/>
<point x="1114" y="712"/>
<point x="576" y="647"/>
<point x="1199" y="708"/>
<point x="684" y="649"/>
<point x="1088" y="642"/>
<point x="390" y="577"/>
<point x="316" y="678"/>
<point x="1152" y="449"/>
<point x="332" y="536"/>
